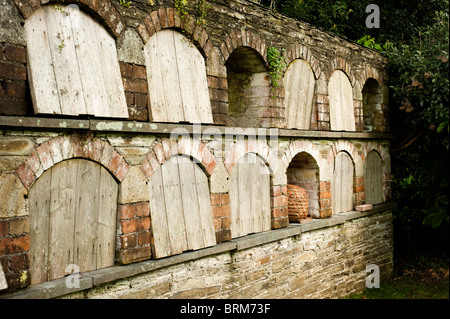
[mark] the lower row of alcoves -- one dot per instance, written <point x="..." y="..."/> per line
<point x="74" y="214"/>
<point x="321" y="258"/>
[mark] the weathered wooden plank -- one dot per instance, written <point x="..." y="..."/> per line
<point x="299" y="88"/>
<point x="340" y="94"/>
<point x="158" y="112"/>
<point x="64" y="61"/>
<point x="170" y="84"/>
<point x="190" y="197"/>
<point x="204" y="202"/>
<point x="265" y="197"/>
<point x="245" y="207"/>
<point x="39" y="205"/>
<point x="342" y="187"/>
<point x="185" y="65"/>
<point x="203" y="101"/>
<point x="111" y="73"/>
<point x="86" y="217"/>
<point x="41" y="76"/>
<point x="161" y="247"/>
<point x="90" y="63"/>
<point x="106" y="225"/>
<point x="255" y="194"/>
<point x="174" y="206"/>
<point x="374" y="178"/>
<point x="234" y="202"/>
<point x="290" y="84"/>
<point x="61" y="220"/>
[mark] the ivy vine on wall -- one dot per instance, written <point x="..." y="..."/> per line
<point x="277" y="65"/>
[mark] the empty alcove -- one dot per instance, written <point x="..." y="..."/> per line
<point x="372" y="104"/>
<point x="303" y="171"/>
<point x="248" y="88"/>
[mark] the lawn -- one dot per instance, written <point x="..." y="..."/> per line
<point x="424" y="280"/>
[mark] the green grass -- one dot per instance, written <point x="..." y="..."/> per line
<point x="424" y="281"/>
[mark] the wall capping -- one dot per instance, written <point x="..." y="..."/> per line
<point x="96" y="125"/>
<point x="57" y="288"/>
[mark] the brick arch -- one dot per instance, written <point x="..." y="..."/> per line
<point x="371" y="72"/>
<point x="165" y="149"/>
<point x="345" y="146"/>
<point x="170" y="18"/>
<point x="261" y="149"/>
<point x="47" y="154"/>
<point x="243" y="38"/>
<point x="297" y="147"/>
<point x="299" y="51"/>
<point x="103" y="10"/>
<point x="339" y="63"/>
<point x="374" y="146"/>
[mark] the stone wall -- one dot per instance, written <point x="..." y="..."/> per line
<point x="325" y="257"/>
<point x="317" y="259"/>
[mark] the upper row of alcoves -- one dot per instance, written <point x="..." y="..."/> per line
<point x="73" y="70"/>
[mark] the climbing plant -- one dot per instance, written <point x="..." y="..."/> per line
<point x="200" y="8"/>
<point x="277" y="65"/>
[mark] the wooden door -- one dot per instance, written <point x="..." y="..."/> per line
<point x="299" y="88"/>
<point x="177" y="82"/>
<point x="373" y="179"/>
<point x="180" y="208"/>
<point x="249" y="196"/>
<point x="73" y="209"/>
<point x="342" y="187"/>
<point x="72" y="64"/>
<point x="340" y="93"/>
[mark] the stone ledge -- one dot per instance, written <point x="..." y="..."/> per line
<point x="167" y="128"/>
<point x="57" y="288"/>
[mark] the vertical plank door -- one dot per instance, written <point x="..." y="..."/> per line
<point x="374" y="178"/>
<point x="180" y="208"/>
<point x="342" y="186"/>
<point x="72" y="219"/>
<point x="299" y="88"/>
<point x="340" y="93"/>
<point x="72" y="64"/>
<point x="249" y="196"/>
<point x="177" y="83"/>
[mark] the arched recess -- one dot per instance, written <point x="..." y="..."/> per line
<point x="73" y="208"/>
<point x="303" y="171"/>
<point x="249" y="94"/>
<point x="299" y="83"/>
<point x="340" y="92"/>
<point x="372" y="105"/>
<point x="180" y="207"/>
<point x="177" y="82"/>
<point x="373" y="171"/>
<point x="72" y="64"/>
<point x="249" y="196"/>
<point x="342" y="183"/>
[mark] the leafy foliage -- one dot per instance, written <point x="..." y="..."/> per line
<point x="277" y="65"/>
<point x="413" y="34"/>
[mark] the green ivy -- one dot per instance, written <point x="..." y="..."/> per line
<point x="276" y="65"/>
<point x="181" y="6"/>
<point x="125" y="3"/>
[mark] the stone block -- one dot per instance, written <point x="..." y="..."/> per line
<point x="134" y="187"/>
